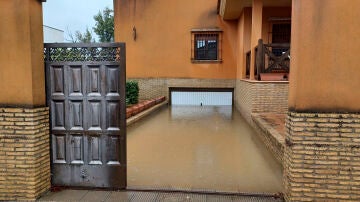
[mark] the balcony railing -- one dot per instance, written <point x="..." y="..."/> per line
<point x="270" y="58"/>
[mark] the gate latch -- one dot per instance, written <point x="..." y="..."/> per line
<point x="84" y="173"/>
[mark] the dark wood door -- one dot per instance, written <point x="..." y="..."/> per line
<point x="86" y="96"/>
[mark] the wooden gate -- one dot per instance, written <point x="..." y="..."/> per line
<point x="86" y="95"/>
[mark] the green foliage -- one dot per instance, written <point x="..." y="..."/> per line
<point x="79" y="37"/>
<point x="132" y="92"/>
<point x="85" y="37"/>
<point x="104" y="26"/>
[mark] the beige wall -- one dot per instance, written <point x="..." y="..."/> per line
<point x="163" y="44"/>
<point x="21" y="59"/>
<point x="325" y="49"/>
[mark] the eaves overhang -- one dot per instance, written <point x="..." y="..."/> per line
<point x="232" y="9"/>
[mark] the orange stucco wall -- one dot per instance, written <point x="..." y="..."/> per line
<point x="244" y="37"/>
<point x="256" y="31"/>
<point x="21" y="59"/>
<point x="325" y="51"/>
<point x="163" y="44"/>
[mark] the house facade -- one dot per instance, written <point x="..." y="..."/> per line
<point x="245" y="45"/>
<point x="206" y="44"/>
<point x="169" y="53"/>
<point x="175" y="47"/>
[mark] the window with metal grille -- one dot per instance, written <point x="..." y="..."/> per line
<point x="281" y="33"/>
<point x="206" y="46"/>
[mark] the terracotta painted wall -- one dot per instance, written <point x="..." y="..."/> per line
<point x="244" y="37"/>
<point x="21" y="59"/>
<point x="163" y="44"/>
<point x="325" y="49"/>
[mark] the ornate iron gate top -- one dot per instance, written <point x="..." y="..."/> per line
<point x="90" y="52"/>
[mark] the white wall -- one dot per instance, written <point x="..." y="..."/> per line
<point x="53" y="35"/>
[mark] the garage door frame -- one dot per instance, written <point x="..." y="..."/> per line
<point x="194" y="89"/>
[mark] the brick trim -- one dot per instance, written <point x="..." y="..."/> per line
<point x="273" y="141"/>
<point x="24" y="153"/>
<point x="322" y="157"/>
<point x="156" y="87"/>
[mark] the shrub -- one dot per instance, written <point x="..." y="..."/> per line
<point x="132" y="92"/>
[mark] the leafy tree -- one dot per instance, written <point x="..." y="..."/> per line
<point x="79" y="37"/>
<point x="84" y="37"/>
<point x="104" y="26"/>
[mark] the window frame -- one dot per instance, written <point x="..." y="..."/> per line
<point x="211" y="31"/>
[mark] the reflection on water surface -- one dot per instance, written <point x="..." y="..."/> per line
<point x="200" y="147"/>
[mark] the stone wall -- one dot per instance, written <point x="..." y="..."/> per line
<point x="156" y="87"/>
<point x="322" y="157"/>
<point x="261" y="97"/>
<point x="24" y="153"/>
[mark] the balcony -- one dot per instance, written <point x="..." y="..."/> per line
<point x="272" y="61"/>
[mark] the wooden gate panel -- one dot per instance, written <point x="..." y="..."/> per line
<point x="86" y="95"/>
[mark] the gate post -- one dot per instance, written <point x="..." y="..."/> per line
<point x="24" y="120"/>
<point x="322" y="141"/>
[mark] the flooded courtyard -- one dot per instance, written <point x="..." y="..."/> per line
<point x="200" y="148"/>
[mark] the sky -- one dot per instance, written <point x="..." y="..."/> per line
<point x="73" y="15"/>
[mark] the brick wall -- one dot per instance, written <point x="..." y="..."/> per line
<point x="261" y="97"/>
<point x="244" y="98"/>
<point x="322" y="157"/>
<point x="24" y="153"/>
<point x="272" y="139"/>
<point x="155" y="87"/>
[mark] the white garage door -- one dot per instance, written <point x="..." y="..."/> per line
<point x="201" y="98"/>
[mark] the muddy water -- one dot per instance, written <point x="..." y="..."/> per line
<point x="201" y="148"/>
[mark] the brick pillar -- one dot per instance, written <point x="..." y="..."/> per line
<point x="24" y="153"/>
<point x="322" y="145"/>
<point x="322" y="157"/>
<point x="24" y="119"/>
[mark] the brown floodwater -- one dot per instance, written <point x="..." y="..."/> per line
<point x="200" y="148"/>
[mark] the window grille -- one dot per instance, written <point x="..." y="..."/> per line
<point x="206" y="46"/>
<point x="281" y="33"/>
